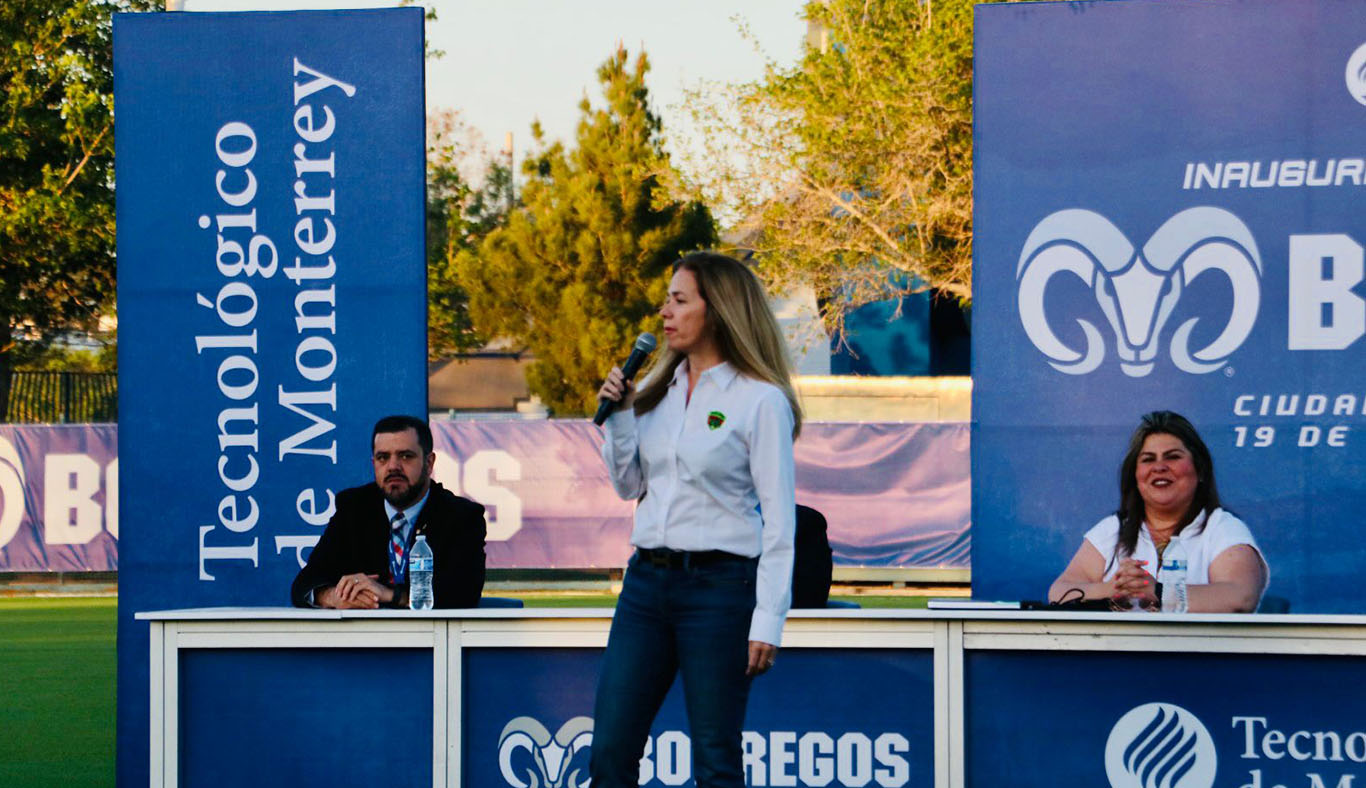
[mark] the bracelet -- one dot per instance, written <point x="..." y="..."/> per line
<point x="1158" y="586"/>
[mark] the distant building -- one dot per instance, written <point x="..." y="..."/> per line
<point x="482" y="385"/>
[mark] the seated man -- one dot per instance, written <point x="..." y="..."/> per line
<point x="361" y="559"/>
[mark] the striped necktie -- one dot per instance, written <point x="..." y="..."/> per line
<point x="398" y="545"/>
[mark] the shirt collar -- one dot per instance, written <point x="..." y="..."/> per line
<point x="1190" y="530"/>
<point x="410" y="514"/>
<point x="722" y="374"/>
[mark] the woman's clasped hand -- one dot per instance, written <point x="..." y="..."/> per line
<point x="1134" y="586"/>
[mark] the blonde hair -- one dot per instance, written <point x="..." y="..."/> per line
<point x="741" y="323"/>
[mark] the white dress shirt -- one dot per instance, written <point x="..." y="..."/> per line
<point x="1204" y="540"/>
<point x="714" y="473"/>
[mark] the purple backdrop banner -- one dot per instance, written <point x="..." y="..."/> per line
<point x="895" y="495"/>
<point x="59" y="503"/>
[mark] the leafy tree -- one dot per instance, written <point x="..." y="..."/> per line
<point x="583" y="263"/>
<point x="56" y="170"/>
<point x="851" y="171"/>
<point x="458" y="218"/>
<point x="455" y="226"/>
<point x="56" y="358"/>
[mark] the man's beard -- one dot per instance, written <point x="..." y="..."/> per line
<point x="405" y="498"/>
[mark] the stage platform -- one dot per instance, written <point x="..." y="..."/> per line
<point x="858" y="697"/>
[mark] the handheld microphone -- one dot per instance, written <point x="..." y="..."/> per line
<point x="645" y="345"/>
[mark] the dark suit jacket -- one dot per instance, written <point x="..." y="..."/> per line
<point x="357" y="540"/>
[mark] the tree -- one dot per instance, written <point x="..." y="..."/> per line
<point x="56" y="170"/>
<point x="458" y="218"/>
<point x="583" y="263"/>
<point x="851" y="171"/>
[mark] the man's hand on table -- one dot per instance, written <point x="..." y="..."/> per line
<point x="355" y="592"/>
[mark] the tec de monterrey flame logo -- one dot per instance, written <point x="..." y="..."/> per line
<point x="1160" y="745"/>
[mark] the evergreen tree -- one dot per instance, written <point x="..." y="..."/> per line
<point x="458" y="218"/>
<point x="582" y="265"/>
<point x="456" y="223"/>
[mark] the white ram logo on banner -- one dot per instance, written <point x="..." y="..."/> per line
<point x="1137" y="293"/>
<point x="1160" y="745"/>
<point x="11" y="491"/>
<point x="1356" y="74"/>
<point x="550" y="755"/>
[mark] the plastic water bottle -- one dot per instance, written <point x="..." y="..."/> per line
<point x="1173" y="577"/>
<point x="420" y="575"/>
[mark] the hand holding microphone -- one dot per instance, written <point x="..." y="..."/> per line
<point x="616" y="389"/>
<point x="618" y="383"/>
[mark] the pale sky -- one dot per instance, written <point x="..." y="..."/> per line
<point x="509" y="62"/>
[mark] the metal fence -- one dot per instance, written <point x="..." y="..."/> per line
<point x="30" y="397"/>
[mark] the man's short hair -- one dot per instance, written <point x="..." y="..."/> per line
<point x="401" y="423"/>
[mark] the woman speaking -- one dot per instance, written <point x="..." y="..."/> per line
<point x="705" y="450"/>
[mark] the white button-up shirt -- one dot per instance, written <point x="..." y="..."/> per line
<point x="714" y="473"/>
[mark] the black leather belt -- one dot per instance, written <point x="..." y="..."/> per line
<point x="665" y="558"/>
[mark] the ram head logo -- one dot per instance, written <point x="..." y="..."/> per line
<point x="11" y="491"/>
<point x="530" y="757"/>
<point x="1137" y="292"/>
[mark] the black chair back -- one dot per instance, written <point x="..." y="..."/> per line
<point x="813" y="564"/>
<point x="1274" y="604"/>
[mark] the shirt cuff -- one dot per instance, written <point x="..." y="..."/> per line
<point x="766" y="628"/>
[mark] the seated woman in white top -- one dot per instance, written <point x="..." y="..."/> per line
<point x="1166" y="487"/>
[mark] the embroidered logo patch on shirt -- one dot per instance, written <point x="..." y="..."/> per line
<point x="715" y="419"/>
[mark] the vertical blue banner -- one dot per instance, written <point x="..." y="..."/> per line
<point x="271" y="296"/>
<point x="1168" y="216"/>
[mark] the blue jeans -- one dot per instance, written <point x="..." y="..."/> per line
<point x="692" y="621"/>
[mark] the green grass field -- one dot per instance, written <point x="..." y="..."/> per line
<point x="57" y="668"/>
<point x="57" y="679"/>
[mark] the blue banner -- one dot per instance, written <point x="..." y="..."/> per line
<point x="271" y="296"/>
<point x="59" y="502"/>
<point x="1138" y="720"/>
<point x="1167" y="216"/>
<point x="893" y="495"/>
<point x="528" y="720"/>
